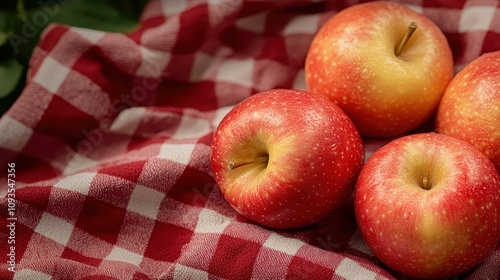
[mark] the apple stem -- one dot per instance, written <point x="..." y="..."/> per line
<point x="425" y="183"/>
<point x="409" y="31"/>
<point x="232" y="164"/>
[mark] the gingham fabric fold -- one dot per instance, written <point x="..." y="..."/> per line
<point x="111" y="144"/>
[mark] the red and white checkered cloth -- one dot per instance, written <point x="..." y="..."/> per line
<point x="111" y="142"/>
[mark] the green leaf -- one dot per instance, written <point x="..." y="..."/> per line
<point x="21" y="11"/>
<point x="24" y="38"/>
<point x="6" y="20"/>
<point x="93" y="14"/>
<point x="6" y="25"/>
<point x="3" y="38"/>
<point x="130" y="8"/>
<point x="10" y="73"/>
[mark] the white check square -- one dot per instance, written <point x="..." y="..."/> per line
<point x="128" y="120"/>
<point x="51" y="74"/>
<point x="210" y="221"/>
<point x="153" y="62"/>
<point x="77" y="163"/>
<point x="14" y="134"/>
<point x="145" y="201"/>
<point x="79" y="183"/>
<point x="172" y="7"/>
<point x="255" y="23"/>
<point x="300" y="80"/>
<point x="92" y="35"/>
<point x="180" y="153"/>
<point x="186" y="272"/>
<point x="28" y="274"/>
<point x="55" y="228"/>
<point x="476" y="18"/>
<point x="191" y="127"/>
<point x="124" y="255"/>
<point x="220" y="113"/>
<point x="303" y="24"/>
<point x="349" y="269"/>
<point x="201" y="67"/>
<point x="237" y="71"/>
<point x="283" y="244"/>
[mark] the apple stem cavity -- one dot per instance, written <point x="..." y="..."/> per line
<point x="409" y="31"/>
<point x="233" y="164"/>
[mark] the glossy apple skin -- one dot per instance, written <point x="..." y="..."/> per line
<point x="314" y="155"/>
<point x="436" y="233"/>
<point x="352" y="61"/>
<point x="470" y="107"/>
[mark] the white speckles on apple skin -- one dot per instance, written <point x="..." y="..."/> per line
<point x="351" y="60"/>
<point x="440" y="232"/>
<point x="470" y="107"/>
<point x="308" y="174"/>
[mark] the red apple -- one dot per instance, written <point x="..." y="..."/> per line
<point x="387" y="79"/>
<point x="470" y="107"/>
<point x="286" y="158"/>
<point x="428" y="205"/>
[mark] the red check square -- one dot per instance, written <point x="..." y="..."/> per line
<point x="234" y="258"/>
<point x="166" y="242"/>
<point x="101" y="219"/>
